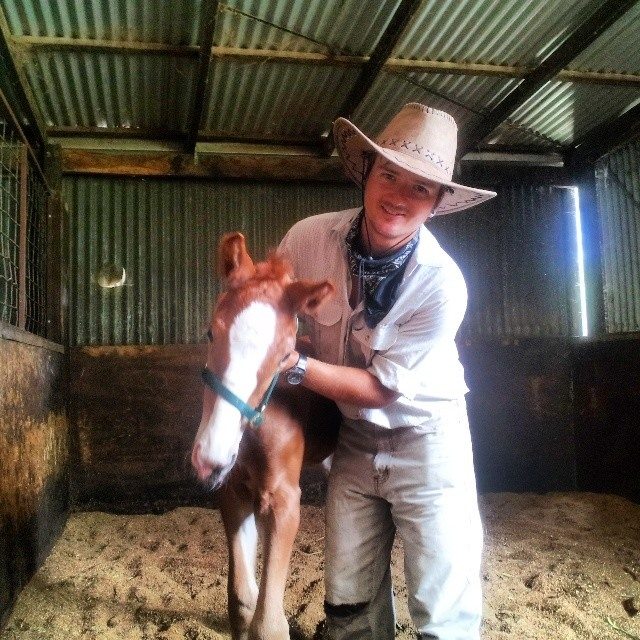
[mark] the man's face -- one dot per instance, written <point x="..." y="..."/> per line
<point x="396" y="203"/>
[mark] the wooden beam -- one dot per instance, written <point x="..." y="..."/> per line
<point x="596" y="77"/>
<point x="34" y="130"/>
<point x="370" y="70"/>
<point x="397" y="65"/>
<point x="392" y="65"/>
<point x="605" y="137"/>
<point x="170" y="135"/>
<point x="106" y="46"/>
<point x="23" y="238"/>
<point x="122" y="132"/>
<point x="576" y="42"/>
<point x="218" y="166"/>
<point x="290" y="57"/>
<point x="207" y="29"/>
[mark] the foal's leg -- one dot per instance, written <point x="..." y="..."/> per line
<point x="236" y="508"/>
<point x="280" y="518"/>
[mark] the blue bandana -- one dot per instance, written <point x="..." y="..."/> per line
<point x="379" y="277"/>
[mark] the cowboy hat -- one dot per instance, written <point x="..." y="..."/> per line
<point x="420" y="139"/>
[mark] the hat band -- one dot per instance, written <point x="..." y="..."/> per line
<point x="415" y="164"/>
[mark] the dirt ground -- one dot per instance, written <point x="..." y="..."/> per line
<point x="556" y="566"/>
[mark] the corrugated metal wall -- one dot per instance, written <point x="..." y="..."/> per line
<point x="514" y="252"/>
<point x="518" y="255"/>
<point x="618" y="189"/>
<point x="164" y="234"/>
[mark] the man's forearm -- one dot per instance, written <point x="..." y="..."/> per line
<point x="351" y="385"/>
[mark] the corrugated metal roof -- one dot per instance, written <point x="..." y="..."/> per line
<point x="510" y="32"/>
<point x="137" y="21"/>
<point x="618" y="49"/>
<point x="90" y="89"/>
<point x="260" y="97"/>
<point x="563" y="111"/>
<point x="271" y="99"/>
<point x="349" y="26"/>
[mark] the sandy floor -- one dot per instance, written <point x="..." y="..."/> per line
<point x="559" y="566"/>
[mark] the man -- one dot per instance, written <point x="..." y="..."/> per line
<point x="385" y="352"/>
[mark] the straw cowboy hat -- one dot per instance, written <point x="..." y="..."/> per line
<point x="420" y="139"/>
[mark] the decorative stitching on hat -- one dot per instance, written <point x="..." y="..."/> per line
<point x="453" y="205"/>
<point x="405" y="144"/>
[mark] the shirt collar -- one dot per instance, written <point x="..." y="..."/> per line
<point x="428" y="251"/>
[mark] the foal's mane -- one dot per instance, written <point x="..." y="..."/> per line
<point x="275" y="267"/>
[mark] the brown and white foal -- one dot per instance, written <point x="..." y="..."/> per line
<point x="256" y="469"/>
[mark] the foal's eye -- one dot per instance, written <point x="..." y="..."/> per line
<point x="210" y="335"/>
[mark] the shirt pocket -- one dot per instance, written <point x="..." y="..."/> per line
<point x="325" y="331"/>
<point x="380" y="338"/>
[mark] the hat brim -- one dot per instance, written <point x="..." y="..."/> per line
<point x="352" y="144"/>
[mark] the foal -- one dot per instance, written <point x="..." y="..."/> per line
<point x="254" y="460"/>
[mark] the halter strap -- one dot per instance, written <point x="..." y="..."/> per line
<point x="255" y="416"/>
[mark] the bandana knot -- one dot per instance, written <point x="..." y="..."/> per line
<point x="379" y="277"/>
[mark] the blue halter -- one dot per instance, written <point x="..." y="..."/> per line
<point x="255" y="416"/>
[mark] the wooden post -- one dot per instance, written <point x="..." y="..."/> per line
<point x="22" y="242"/>
<point x="56" y="265"/>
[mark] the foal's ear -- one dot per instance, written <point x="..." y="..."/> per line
<point x="234" y="262"/>
<point x="306" y="296"/>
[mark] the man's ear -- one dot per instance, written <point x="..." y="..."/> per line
<point x="234" y="262"/>
<point x="306" y="296"/>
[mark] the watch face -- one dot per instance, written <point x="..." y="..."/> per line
<point x="295" y="377"/>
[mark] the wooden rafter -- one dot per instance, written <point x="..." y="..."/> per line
<point x="576" y="42"/>
<point x="248" y="166"/>
<point x="170" y="135"/>
<point x="392" y="65"/>
<point x="207" y="29"/>
<point x="370" y="70"/>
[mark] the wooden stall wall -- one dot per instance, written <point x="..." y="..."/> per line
<point x="34" y="459"/>
<point x="607" y="415"/>
<point x="136" y="410"/>
<point x="520" y="414"/>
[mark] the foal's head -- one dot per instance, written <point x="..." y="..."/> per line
<point x="251" y="333"/>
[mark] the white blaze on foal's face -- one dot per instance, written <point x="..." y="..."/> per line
<point x="251" y="334"/>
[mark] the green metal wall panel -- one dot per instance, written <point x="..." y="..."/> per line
<point x="517" y="253"/>
<point x="164" y="234"/>
<point x="618" y="189"/>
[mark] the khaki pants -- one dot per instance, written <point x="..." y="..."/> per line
<point x="418" y="481"/>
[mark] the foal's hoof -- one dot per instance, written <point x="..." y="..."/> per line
<point x="274" y="630"/>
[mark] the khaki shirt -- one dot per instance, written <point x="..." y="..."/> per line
<point x="412" y="350"/>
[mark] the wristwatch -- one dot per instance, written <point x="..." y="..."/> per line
<point x="296" y="373"/>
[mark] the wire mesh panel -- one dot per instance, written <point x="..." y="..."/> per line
<point x="23" y="232"/>
<point x="36" y="275"/>
<point x="9" y="222"/>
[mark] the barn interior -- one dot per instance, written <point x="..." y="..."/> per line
<point x="134" y="134"/>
